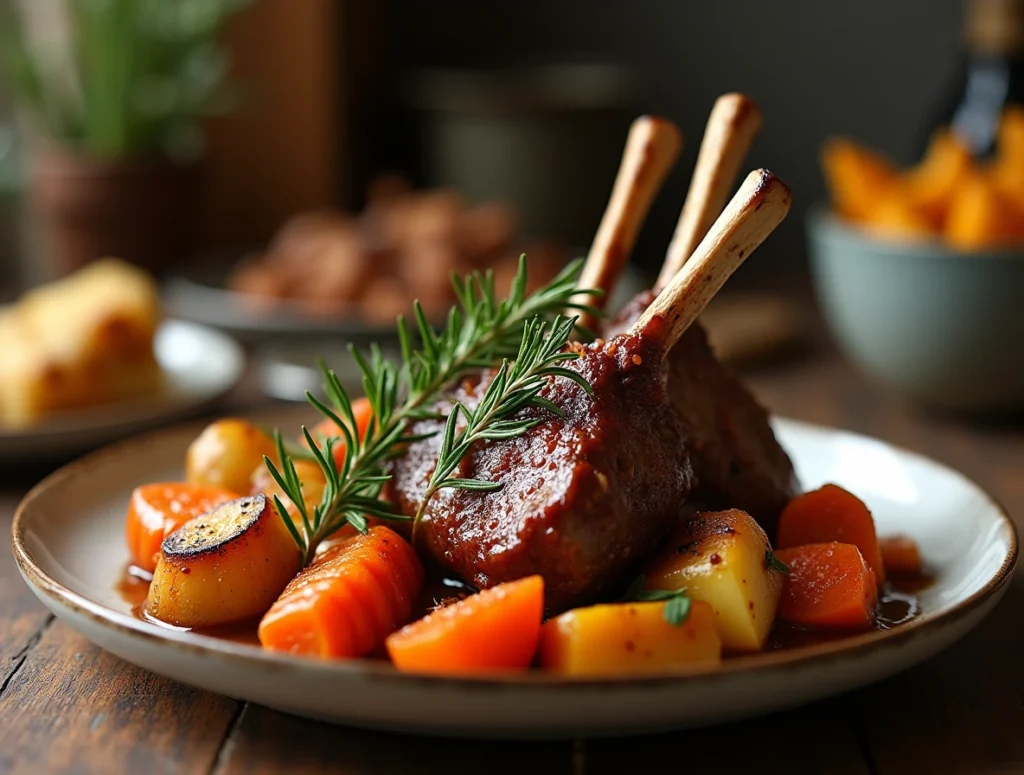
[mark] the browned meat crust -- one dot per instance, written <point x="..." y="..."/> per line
<point x="735" y="455"/>
<point x="584" y="497"/>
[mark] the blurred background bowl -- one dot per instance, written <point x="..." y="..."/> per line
<point x="944" y="328"/>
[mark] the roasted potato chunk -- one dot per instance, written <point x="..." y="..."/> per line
<point x="627" y="639"/>
<point x="227" y="565"/>
<point x="724" y="558"/>
<point x="226" y="453"/>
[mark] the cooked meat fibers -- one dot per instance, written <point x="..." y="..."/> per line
<point x="737" y="460"/>
<point x="584" y="497"/>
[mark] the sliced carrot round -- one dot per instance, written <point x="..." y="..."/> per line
<point x="497" y="629"/>
<point x="156" y="510"/>
<point x="350" y="598"/>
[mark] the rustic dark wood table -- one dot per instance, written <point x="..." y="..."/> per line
<point x="66" y="706"/>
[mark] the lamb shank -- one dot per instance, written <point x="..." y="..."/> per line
<point x="587" y="496"/>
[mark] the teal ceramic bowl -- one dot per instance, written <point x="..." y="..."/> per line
<point x="942" y="327"/>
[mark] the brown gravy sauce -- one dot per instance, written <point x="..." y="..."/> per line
<point x="897" y="605"/>
<point x="133" y="588"/>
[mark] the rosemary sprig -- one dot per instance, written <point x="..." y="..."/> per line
<point x="480" y="332"/>
<point x="515" y="386"/>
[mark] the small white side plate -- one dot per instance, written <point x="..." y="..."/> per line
<point x="68" y="541"/>
<point x="200" y="365"/>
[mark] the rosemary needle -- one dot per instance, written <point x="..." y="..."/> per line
<point x="514" y="387"/>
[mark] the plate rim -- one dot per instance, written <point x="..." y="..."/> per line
<point x="252" y="656"/>
<point x="191" y="300"/>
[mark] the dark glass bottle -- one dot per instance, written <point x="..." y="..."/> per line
<point x="990" y="74"/>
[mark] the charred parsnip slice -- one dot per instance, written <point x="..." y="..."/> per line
<point x="227" y="565"/>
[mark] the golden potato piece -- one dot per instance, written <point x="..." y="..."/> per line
<point x="721" y="558"/>
<point x="628" y="639"/>
<point x="855" y="176"/>
<point x="226" y="453"/>
<point x="228" y="565"/>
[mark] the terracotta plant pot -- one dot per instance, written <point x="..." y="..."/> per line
<point x="141" y="210"/>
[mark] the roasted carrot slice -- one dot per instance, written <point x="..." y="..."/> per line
<point x="497" y="629"/>
<point x="156" y="510"/>
<point x="829" y="586"/>
<point x="363" y="413"/>
<point x="900" y="555"/>
<point x="350" y="598"/>
<point x="831" y="514"/>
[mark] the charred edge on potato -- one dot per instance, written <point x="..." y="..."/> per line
<point x="214" y="531"/>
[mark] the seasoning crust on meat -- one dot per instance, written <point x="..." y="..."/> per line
<point x="584" y="497"/>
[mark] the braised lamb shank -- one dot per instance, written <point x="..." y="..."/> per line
<point x="587" y="496"/>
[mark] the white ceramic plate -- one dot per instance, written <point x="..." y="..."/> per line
<point x="200" y="365"/>
<point x="68" y="540"/>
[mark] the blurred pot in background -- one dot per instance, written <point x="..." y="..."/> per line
<point x="113" y="94"/>
<point x="141" y="209"/>
<point x="546" y="139"/>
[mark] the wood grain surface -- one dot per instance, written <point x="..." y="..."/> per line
<point x="67" y="707"/>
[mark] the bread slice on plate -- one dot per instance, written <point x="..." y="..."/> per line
<point x="81" y="341"/>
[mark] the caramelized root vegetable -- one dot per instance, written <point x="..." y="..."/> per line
<point x="722" y="558"/>
<point x="226" y="453"/>
<point x="350" y="598"/>
<point x="156" y="510"/>
<point x="494" y="630"/>
<point x="831" y="513"/>
<point x="628" y="638"/>
<point x="900" y="555"/>
<point x="829" y="586"/>
<point x="363" y="413"/>
<point x="227" y="565"/>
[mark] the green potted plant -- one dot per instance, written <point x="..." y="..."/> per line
<point x="114" y="108"/>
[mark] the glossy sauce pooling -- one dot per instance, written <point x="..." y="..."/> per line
<point x="133" y="588"/>
<point x="897" y="605"/>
